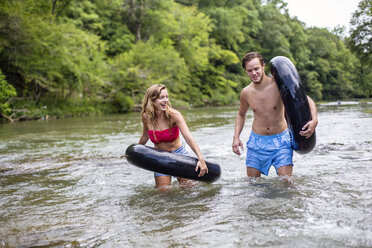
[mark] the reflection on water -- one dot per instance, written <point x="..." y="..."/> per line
<point x="63" y="184"/>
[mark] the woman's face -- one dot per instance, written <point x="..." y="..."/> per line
<point x="162" y="101"/>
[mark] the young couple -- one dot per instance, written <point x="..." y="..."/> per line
<point x="269" y="143"/>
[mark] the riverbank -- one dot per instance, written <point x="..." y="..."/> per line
<point x="68" y="110"/>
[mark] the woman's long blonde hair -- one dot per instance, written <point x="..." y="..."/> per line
<point x="148" y="106"/>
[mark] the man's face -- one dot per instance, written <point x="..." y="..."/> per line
<point x="254" y="70"/>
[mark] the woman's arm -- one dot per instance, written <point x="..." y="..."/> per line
<point x="145" y="135"/>
<point x="181" y="123"/>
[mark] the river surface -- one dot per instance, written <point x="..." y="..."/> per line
<point x="63" y="183"/>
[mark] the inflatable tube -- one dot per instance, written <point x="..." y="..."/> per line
<point x="295" y="101"/>
<point x="169" y="163"/>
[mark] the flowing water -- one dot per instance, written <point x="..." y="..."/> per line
<point x="63" y="183"/>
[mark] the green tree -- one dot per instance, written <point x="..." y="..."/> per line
<point x="188" y="31"/>
<point x="107" y="19"/>
<point x="360" y="42"/>
<point x="275" y="33"/>
<point x="92" y="55"/>
<point x="146" y="64"/>
<point x="228" y="26"/>
<point x="361" y="31"/>
<point x="45" y="59"/>
<point x="333" y="63"/>
<point x="77" y="60"/>
<point x="7" y="91"/>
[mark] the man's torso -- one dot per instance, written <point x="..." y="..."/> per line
<point x="267" y="107"/>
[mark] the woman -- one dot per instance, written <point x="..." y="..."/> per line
<point x="161" y="124"/>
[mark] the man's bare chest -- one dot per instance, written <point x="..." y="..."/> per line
<point x="265" y="101"/>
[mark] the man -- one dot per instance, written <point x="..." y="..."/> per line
<point x="269" y="142"/>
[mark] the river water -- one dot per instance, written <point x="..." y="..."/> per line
<point x="63" y="183"/>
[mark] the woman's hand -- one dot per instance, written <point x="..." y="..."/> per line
<point x="202" y="166"/>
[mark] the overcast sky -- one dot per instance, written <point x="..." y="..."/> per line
<point x="323" y="13"/>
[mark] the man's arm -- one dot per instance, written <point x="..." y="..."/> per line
<point x="239" y="122"/>
<point x="309" y="127"/>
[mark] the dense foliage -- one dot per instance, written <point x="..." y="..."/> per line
<point x="70" y="57"/>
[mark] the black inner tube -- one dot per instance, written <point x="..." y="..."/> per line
<point x="295" y="101"/>
<point x="170" y="163"/>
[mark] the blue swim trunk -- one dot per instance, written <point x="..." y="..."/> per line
<point x="181" y="150"/>
<point x="266" y="150"/>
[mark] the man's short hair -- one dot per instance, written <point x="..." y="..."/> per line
<point x="252" y="55"/>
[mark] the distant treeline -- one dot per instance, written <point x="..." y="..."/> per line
<point x="79" y="57"/>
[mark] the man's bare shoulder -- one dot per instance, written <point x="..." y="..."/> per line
<point x="245" y="94"/>
<point x="247" y="89"/>
<point x="271" y="82"/>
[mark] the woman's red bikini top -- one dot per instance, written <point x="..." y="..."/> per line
<point x="167" y="135"/>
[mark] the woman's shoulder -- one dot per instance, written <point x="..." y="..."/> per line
<point x="145" y="117"/>
<point x="174" y="114"/>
